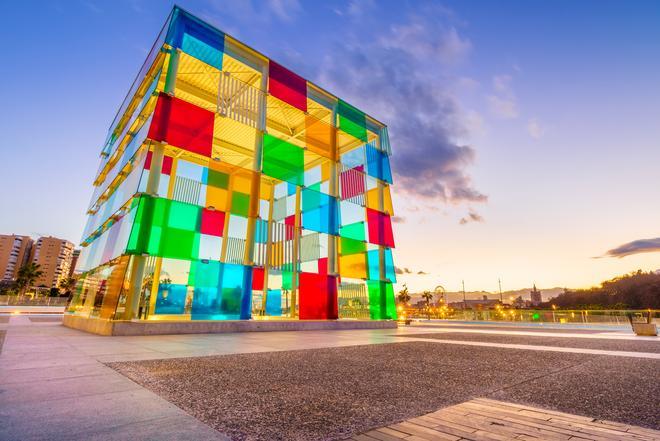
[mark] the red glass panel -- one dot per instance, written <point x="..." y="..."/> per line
<point x="318" y="297"/>
<point x="380" y="228"/>
<point x="287" y="86"/>
<point x="213" y="222"/>
<point x="183" y="125"/>
<point x="167" y="163"/>
<point x="290" y="222"/>
<point x="323" y="265"/>
<point x="258" y="279"/>
<point x="352" y="182"/>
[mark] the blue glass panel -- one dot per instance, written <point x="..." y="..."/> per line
<point x="378" y="164"/>
<point x="390" y="272"/>
<point x="171" y="299"/>
<point x="197" y="39"/>
<point x="324" y="219"/>
<point x="261" y="231"/>
<point x="222" y="291"/>
<point x="274" y="302"/>
<point x="374" y="265"/>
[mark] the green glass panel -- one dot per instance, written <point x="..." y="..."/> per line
<point x="204" y="275"/>
<point x="287" y="278"/>
<point x="179" y="244"/>
<point x="217" y="179"/>
<point x="183" y="216"/>
<point x="139" y="238"/>
<point x="353" y="231"/>
<point x="312" y="199"/>
<point x="155" y="235"/>
<point x="352" y="246"/>
<point x="352" y="120"/>
<point x="165" y="228"/>
<point x="390" y="303"/>
<point x="283" y="160"/>
<point x="240" y="203"/>
<point x="381" y="300"/>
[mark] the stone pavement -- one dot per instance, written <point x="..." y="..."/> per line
<point x="54" y="383"/>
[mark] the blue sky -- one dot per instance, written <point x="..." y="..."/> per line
<point x="525" y="132"/>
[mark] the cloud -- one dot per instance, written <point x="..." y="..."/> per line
<point x="403" y="78"/>
<point x="535" y="129"/>
<point x="398" y="219"/>
<point x="286" y="10"/>
<point x="398" y="270"/>
<point x="233" y="12"/>
<point x="503" y="103"/>
<point x="635" y="247"/>
<point x="472" y="216"/>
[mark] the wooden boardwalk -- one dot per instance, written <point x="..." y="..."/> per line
<point x="484" y="419"/>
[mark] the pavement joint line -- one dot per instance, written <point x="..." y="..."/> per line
<point x="604" y="335"/>
<point x="537" y="377"/>
<point x="649" y="355"/>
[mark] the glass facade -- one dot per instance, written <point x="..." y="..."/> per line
<point x="231" y="188"/>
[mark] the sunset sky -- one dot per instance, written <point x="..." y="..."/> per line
<point x="526" y="134"/>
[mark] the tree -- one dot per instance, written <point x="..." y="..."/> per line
<point x="67" y="284"/>
<point x="403" y="296"/>
<point x="27" y="275"/>
<point x="426" y="295"/>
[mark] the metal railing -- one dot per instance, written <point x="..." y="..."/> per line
<point x="558" y="316"/>
<point x="6" y="300"/>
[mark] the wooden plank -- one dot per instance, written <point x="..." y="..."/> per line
<point x="423" y="432"/>
<point x="487" y="401"/>
<point x="382" y="436"/>
<point x="483" y="419"/>
<point x="392" y="432"/>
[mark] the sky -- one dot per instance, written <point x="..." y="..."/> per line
<point x="525" y="133"/>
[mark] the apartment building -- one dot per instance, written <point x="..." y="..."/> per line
<point x="54" y="257"/>
<point x="14" y="253"/>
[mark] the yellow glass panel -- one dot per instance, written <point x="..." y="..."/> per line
<point x="197" y="82"/>
<point x="353" y="266"/>
<point x="242" y="183"/>
<point x="372" y="200"/>
<point x="325" y="171"/>
<point x="319" y="136"/>
<point x="216" y="197"/>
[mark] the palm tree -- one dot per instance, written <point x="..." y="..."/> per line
<point x="27" y="275"/>
<point x="66" y="285"/>
<point x="426" y="295"/>
<point x="403" y="296"/>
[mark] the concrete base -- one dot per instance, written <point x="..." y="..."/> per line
<point x="145" y="327"/>
<point x="646" y="329"/>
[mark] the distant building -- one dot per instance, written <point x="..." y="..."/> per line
<point x="74" y="262"/>
<point x="519" y="303"/>
<point x="53" y="256"/>
<point x="14" y="253"/>
<point x="483" y="303"/>
<point x="535" y="297"/>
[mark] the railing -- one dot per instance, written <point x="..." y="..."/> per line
<point x="6" y="300"/>
<point x="558" y="316"/>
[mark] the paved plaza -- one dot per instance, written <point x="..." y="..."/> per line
<point x="423" y="382"/>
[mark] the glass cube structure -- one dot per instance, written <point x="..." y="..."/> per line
<point x="231" y="188"/>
